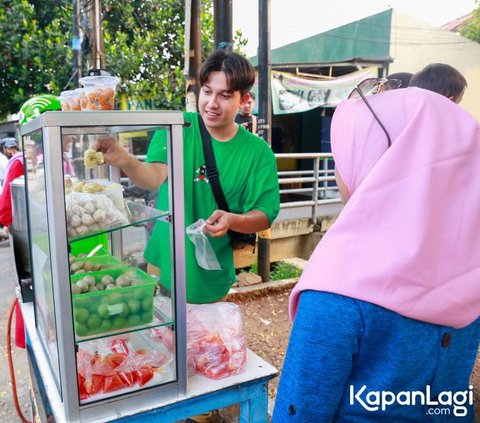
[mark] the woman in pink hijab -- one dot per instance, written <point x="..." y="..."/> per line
<point x="386" y="314"/>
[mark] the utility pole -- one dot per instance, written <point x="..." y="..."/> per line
<point x="222" y="19"/>
<point x="223" y="39"/>
<point x="97" y="55"/>
<point x="193" y="52"/>
<point x="264" y="116"/>
<point x="264" y="72"/>
<point x="76" y="45"/>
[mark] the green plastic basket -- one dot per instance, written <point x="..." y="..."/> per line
<point x="86" y="245"/>
<point x="113" y="309"/>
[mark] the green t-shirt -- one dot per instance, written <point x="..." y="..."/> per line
<point x="248" y="174"/>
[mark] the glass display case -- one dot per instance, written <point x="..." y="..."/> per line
<point x="110" y="335"/>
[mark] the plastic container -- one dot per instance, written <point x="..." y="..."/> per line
<point x="116" y="308"/>
<point x="83" y="254"/>
<point x="95" y="264"/>
<point x="84" y="246"/>
<point x="99" y="92"/>
<point x="70" y="99"/>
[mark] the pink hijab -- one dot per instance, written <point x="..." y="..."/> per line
<point x="408" y="239"/>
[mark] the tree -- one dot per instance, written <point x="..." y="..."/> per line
<point x="472" y="29"/>
<point x="144" y="46"/>
<point x="35" y="51"/>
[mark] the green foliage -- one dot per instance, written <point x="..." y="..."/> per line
<point x="239" y="43"/>
<point x="144" y="46"/>
<point x="279" y="271"/>
<point x="35" y="50"/>
<point x="472" y="29"/>
<point x="282" y="270"/>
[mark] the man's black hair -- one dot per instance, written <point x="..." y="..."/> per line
<point x="238" y="70"/>
<point x="441" y="78"/>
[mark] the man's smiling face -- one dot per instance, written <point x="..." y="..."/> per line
<point x="218" y="105"/>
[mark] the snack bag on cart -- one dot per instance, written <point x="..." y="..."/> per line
<point x="107" y="365"/>
<point x="216" y="344"/>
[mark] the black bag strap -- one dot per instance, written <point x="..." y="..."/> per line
<point x="211" y="166"/>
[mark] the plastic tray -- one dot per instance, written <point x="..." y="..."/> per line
<point x="113" y="309"/>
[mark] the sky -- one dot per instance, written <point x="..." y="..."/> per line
<point x="293" y="20"/>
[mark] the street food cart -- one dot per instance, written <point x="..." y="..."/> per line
<point x="88" y="301"/>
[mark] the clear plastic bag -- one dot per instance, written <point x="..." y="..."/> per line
<point x="216" y="343"/>
<point x="204" y="253"/>
<point x="88" y="213"/>
<point x="107" y="365"/>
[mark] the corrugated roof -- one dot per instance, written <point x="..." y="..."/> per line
<point x="458" y="23"/>
<point x="365" y="39"/>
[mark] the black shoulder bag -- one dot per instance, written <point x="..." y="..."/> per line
<point x="238" y="239"/>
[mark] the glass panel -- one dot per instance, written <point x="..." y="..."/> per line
<point x="134" y="214"/>
<point x="120" y="311"/>
<point x="162" y="248"/>
<point x="40" y="248"/>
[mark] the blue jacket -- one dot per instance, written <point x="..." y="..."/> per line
<point x="344" y="354"/>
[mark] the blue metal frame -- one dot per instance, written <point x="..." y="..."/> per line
<point x="252" y="397"/>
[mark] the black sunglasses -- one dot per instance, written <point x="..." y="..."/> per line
<point x="372" y="86"/>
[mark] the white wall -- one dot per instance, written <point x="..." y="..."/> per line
<point x="415" y="44"/>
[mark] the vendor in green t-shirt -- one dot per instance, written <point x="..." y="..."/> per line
<point x="247" y="172"/>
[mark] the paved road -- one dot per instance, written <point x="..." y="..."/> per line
<point x="7" y="409"/>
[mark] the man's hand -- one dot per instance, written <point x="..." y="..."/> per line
<point x="113" y="153"/>
<point x="219" y="223"/>
<point x="148" y="176"/>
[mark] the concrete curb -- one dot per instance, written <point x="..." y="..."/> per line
<point x="261" y="288"/>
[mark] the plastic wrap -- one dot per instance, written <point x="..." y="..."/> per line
<point x="88" y="213"/>
<point x="204" y="252"/>
<point x="216" y="344"/>
<point x="107" y="365"/>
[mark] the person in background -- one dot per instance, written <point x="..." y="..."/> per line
<point x="77" y="154"/>
<point x="442" y="79"/>
<point x="245" y="116"/>
<point x="68" y="141"/>
<point x="3" y="164"/>
<point x="15" y="168"/>
<point x="3" y="170"/>
<point x="405" y="77"/>
<point x="388" y="305"/>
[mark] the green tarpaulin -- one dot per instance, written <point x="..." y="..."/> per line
<point x="366" y="39"/>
